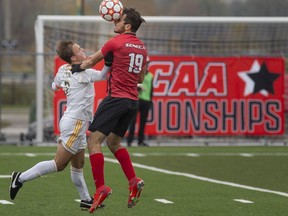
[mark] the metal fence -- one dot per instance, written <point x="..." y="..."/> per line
<point x="17" y="72"/>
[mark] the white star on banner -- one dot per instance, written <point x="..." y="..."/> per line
<point x="249" y="83"/>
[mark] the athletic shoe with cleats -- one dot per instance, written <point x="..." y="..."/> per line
<point x="136" y="185"/>
<point x="86" y="205"/>
<point x="15" y="184"/>
<point x="101" y="194"/>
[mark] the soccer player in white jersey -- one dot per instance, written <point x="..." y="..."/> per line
<point x="79" y="90"/>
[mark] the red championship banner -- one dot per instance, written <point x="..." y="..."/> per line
<point x="209" y="96"/>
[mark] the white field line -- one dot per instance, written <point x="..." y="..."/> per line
<point x="184" y="174"/>
<point x="188" y="154"/>
<point x="164" y="201"/>
<point x="201" y="178"/>
<point x="243" y="201"/>
<point x="27" y="154"/>
<point x="6" y="202"/>
<point x="5" y="176"/>
<point x="191" y="154"/>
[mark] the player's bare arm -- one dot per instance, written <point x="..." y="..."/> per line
<point x="92" y="60"/>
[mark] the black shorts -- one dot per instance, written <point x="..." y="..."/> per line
<point x="114" y="115"/>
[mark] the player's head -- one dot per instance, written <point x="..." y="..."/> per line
<point x="70" y="52"/>
<point x="130" y="20"/>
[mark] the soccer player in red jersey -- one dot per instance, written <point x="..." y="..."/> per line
<point x="113" y="115"/>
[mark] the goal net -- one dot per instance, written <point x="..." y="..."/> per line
<point x="164" y="36"/>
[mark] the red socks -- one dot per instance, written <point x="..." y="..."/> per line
<point x="123" y="157"/>
<point x="97" y="165"/>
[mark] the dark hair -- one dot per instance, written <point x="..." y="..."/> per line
<point x="134" y="18"/>
<point x="64" y="50"/>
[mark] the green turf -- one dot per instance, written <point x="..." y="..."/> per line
<point x="55" y="194"/>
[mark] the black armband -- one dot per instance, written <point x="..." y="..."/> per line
<point x="76" y="68"/>
<point x="109" y="59"/>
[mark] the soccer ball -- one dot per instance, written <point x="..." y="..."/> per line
<point x="111" y="10"/>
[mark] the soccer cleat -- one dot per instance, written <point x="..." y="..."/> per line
<point x="15" y="184"/>
<point x="101" y="194"/>
<point x="136" y="185"/>
<point x="85" y="205"/>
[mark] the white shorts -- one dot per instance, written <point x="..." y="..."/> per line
<point x="73" y="134"/>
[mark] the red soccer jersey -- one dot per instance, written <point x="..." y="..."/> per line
<point x="129" y="58"/>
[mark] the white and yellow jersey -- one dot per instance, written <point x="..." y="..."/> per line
<point x="79" y="90"/>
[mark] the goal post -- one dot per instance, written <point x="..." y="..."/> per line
<point x="165" y="36"/>
<point x="39" y="37"/>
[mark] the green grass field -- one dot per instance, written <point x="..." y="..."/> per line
<point x="199" y="181"/>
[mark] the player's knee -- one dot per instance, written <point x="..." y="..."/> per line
<point x="113" y="145"/>
<point x="114" y="148"/>
<point x="95" y="148"/>
<point x="61" y="166"/>
<point x="81" y="164"/>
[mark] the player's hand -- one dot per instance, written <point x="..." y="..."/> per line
<point x="54" y="86"/>
<point x="109" y="59"/>
<point x="140" y="87"/>
<point x="76" y="68"/>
